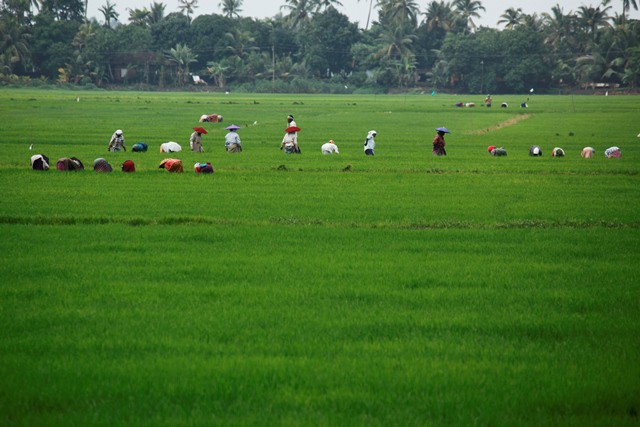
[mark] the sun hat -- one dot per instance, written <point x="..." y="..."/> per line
<point x="201" y="130"/>
<point x="491" y="148"/>
<point x="119" y="132"/>
<point x="232" y="127"/>
<point x="443" y="129"/>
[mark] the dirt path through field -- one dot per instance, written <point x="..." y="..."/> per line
<point x="501" y="125"/>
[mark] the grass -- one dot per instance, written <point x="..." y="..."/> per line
<point x="407" y="290"/>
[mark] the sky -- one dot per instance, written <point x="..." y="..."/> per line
<point x="356" y="11"/>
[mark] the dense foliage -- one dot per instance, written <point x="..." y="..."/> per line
<point x="310" y="46"/>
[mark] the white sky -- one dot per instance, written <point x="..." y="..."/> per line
<point x="356" y="11"/>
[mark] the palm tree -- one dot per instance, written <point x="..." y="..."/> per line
<point x="139" y="17"/>
<point x="231" y="8"/>
<point x="300" y="12"/>
<point x="511" y="18"/>
<point x="627" y="5"/>
<point x="466" y="10"/>
<point x="187" y="7"/>
<point x="400" y="11"/>
<point x="14" y="45"/>
<point x="216" y="70"/>
<point x="321" y="5"/>
<point x="156" y="12"/>
<point x="558" y="26"/>
<point x="369" y="14"/>
<point x="182" y="56"/>
<point x="240" y="43"/>
<point x="439" y="16"/>
<point x="395" y="42"/>
<point x="109" y="13"/>
<point x="592" y="18"/>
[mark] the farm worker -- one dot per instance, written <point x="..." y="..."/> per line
<point x="195" y="141"/>
<point x="587" y="152"/>
<point x="497" y="151"/>
<point x="39" y="162"/>
<point x="438" y="142"/>
<point x="140" y="147"/>
<point x="101" y="165"/>
<point x="69" y="164"/>
<point x="487" y="101"/>
<point x="370" y="143"/>
<point x="329" y="148"/>
<point x="612" y="152"/>
<point x="128" y="166"/>
<point x="172" y="165"/>
<point x="535" y="151"/>
<point x="211" y="118"/>
<point x="232" y="140"/>
<point x="117" y="141"/>
<point x="290" y="141"/>
<point x="557" y="152"/>
<point x="203" y="168"/>
<point x="170" y="147"/>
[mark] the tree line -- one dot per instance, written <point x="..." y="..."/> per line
<point x="309" y="46"/>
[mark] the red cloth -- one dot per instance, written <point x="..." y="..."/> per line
<point x="128" y="166"/>
<point x="438" y="146"/>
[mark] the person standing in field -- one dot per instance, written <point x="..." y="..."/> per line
<point x="439" y="143"/>
<point x="290" y="140"/>
<point x="195" y="141"/>
<point x="487" y="101"/>
<point x="290" y="121"/>
<point x="370" y="143"/>
<point x="117" y="141"/>
<point x="329" y="148"/>
<point x="232" y="140"/>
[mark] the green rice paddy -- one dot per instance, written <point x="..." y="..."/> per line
<point x="292" y="290"/>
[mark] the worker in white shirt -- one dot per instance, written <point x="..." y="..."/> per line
<point x="329" y="148"/>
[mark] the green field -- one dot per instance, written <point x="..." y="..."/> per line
<point x="397" y="290"/>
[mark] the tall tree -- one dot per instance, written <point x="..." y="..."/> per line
<point x="300" y="12"/>
<point x="439" y="16"/>
<point x="326" y="44"/>
<point x="369" y="14"/>
<point x="156" y="12"/>
<point x="626" y="6"/>
<point x="187" y="7"/>
<point x="559" y="26"/>
<point x="14" y="45"/>
<point x="466" y="10"/>
<point x="511" y="18"/>
<point x="64" y="10"/>
<point x="321" y="5"/>
<point x="403" y="12"/>
<point x="109" y="13"/>
<point x="231" y="8"/>
<point x="593" y="18"/>
<point x="139" y="17"/>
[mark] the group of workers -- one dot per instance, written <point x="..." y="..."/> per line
<point x="536" y="151"/>
<point x="288" y="145"/>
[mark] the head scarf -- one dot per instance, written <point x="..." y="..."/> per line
<point x="128" y="166"/>
<point x="203" y="168"/>
<point x="101" y="165"/>
<point x="39" y="162"/>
